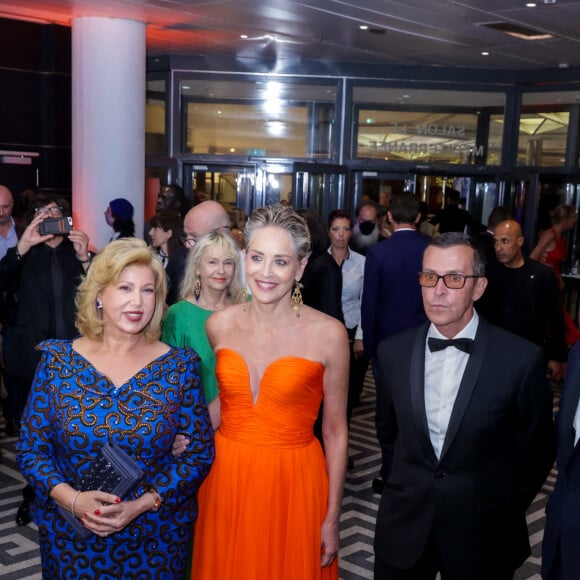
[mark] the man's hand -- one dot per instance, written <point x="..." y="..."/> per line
<point x="357" y="348"/>
<point x="31" y="237"/>
<point x="179" y="445"/>
<point x="556" y="371"/>
<point x="80" y="242"/>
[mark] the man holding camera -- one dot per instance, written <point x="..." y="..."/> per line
<point x="42" y="273"/>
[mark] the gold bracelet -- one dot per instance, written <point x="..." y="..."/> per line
<point x="72" y="504"/>
<point x="157" y="499"/>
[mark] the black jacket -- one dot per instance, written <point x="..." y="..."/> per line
<point x="31" y="279"/>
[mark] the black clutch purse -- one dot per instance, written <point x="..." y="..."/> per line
<point x="113" y="472"/>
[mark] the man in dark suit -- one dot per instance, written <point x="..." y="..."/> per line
<point x="560" y="554"/>
<point x="466" y="428"/>
<point x="391" y="298"/>
<point x="453" y="218"/>
<point x="523" y="297"/>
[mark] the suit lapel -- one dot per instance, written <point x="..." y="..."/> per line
<point x="467" y="385"/>
<point x="417" y="379"/>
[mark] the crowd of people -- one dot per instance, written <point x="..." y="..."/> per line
<point x="222" y="357"/>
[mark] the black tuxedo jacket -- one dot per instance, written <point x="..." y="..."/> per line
<point x="497" y="452"/>
<point x="563" y="510"/>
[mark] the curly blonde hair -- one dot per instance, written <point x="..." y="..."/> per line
<point x="105" y="269"/>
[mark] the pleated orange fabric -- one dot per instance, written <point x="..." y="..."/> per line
<point x="263" y="503"/>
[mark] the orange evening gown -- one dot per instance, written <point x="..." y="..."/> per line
<point x="262" y="506"/>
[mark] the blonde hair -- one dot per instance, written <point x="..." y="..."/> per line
<point x="282" y="217"/>
<point x="223" y="244"/>
<point x="561" y="213"/>
<point x="105" y="269"/>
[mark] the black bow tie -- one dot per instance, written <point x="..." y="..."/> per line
<point x="463" y="344"/>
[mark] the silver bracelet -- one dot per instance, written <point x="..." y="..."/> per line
<point x="72" y="504"/>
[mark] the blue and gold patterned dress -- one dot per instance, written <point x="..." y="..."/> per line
<point x="72" y="410"/>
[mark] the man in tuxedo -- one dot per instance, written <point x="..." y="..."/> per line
<point x="560" y="554"/>
<point x="464" y="418"/>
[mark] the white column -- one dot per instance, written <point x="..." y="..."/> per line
<point x="108" y="121"/>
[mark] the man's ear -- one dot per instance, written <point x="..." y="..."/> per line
<point x="479" y="288"/>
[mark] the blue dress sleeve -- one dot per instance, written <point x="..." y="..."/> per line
<point x="35" y="450"/>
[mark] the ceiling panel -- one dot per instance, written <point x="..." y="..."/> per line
<point x="445" y="32"/>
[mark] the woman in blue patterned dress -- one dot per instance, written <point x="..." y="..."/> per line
<point x="116" y="383"/>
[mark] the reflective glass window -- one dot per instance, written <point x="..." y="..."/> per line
<point x="544" y="122"/>
<point x="423" y="126"/>
<point x="155" y="133"/>
<point x="258" y="118"/>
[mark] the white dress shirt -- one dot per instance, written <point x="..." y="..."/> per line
<point x="353" y="270"/>
<point x="443" y="374"/>
<point x="576" y="425"/>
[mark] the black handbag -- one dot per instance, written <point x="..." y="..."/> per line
<point x="113" y="472"/>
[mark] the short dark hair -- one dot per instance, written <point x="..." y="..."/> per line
<point x="338" y="214"/>
<point x="498" y="214"/>
<point x="453" y="195"/>
<point x="450" y="239"/>
<point x="404" y="207"/>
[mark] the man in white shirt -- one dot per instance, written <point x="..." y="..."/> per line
<point x="464" y="419"/>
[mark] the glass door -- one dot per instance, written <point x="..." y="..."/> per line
<point x="234" y="186"/>
<point x="319" y="187"/>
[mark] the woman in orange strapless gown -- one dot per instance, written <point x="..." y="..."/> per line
<point x="269" y="509"/>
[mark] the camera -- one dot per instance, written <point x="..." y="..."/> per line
<point x="55" y="226"/>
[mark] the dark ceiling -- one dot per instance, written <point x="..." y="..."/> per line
<point x="413" y="32"/>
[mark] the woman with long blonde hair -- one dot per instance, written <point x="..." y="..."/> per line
<point x="212" y="281"/>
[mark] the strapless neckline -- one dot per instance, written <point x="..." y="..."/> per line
<point x="266" y="370"/>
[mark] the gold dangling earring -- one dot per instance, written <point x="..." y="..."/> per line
<point x="245" y="300"/>
<point x="197" y="288"/>
<point x="296" y="300"/>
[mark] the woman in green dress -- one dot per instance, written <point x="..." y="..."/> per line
<point x="212" y="281"/>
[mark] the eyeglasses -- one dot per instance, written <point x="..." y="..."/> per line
<point x="51" y="209"/>
<point x="190" y="241"/>
<point x="451" y="281"/>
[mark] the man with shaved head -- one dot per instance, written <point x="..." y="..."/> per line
<point x="522" y="296"/>
<point x="203" y="218"/>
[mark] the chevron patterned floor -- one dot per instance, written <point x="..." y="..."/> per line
<point x="19" y="558"/>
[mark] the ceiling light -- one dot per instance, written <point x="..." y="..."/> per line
<point x="518" y="30"/>
<point x="531" y="5"/>
<point x="484" y="53"/>
<point x="244" y="36"/>
<point x="275" y="128"/>
<point x="363" y="27"/>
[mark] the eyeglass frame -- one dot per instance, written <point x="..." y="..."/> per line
<point x="190" y="241"/>
<point x="464" y="277"/>
<point x="51" y="209"/>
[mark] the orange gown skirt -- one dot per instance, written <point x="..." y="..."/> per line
<point x="262" y="506"/>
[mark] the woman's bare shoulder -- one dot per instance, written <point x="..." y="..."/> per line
<point x="224" y="321"/>
<point x="325" y="327"/>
